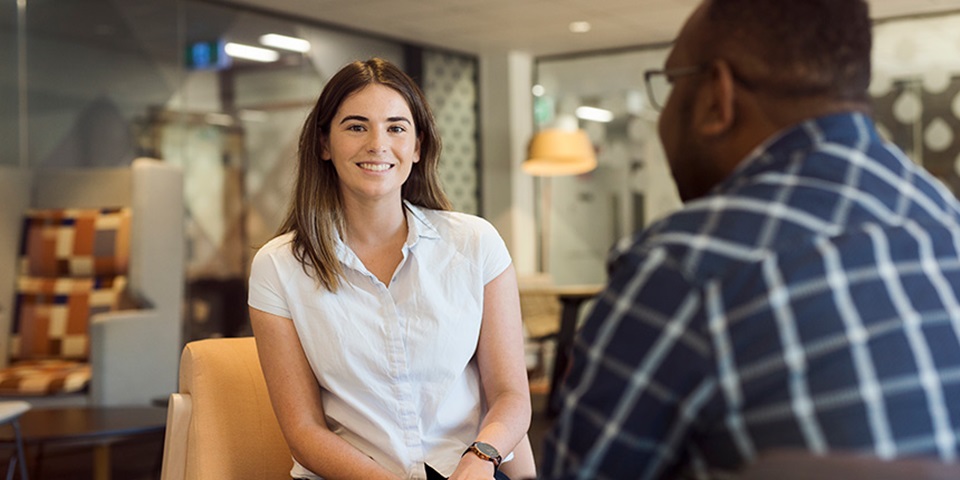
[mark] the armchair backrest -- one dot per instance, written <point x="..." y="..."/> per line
<point x="140" y="357"/>
<point x="221" y="425"/>
<point x="149" y="187"/>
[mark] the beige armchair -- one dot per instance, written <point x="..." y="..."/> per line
<point x="132" y="353"/>
<point x="221" y="425"/>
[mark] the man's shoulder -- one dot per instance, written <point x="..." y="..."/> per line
<point x="703" y="239"/>
<point x="736" y="220"/>
<point x="721" y="233"/>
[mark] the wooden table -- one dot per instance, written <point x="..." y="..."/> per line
<point x="98" y="427"/>
<point x="571" y="298"/>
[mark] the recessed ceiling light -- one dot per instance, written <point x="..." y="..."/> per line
<point x="595" y="114"/>
<point x="538" y="90"/>
<point x="249" y="52"/>
<point x="284" y="42"/>
<point x="579" y="27"/>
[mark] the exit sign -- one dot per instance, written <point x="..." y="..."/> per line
<point x="207" y="56"/>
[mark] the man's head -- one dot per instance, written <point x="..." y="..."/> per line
<point x="763" y="65"/>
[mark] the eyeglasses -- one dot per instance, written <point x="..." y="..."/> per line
<point x="660" y="82"/>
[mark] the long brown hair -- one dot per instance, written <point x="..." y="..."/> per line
<point x="316" y="209"/>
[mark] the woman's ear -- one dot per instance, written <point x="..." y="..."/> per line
<point x="324" y="149"/>
<point x="714" y="112"/>
<point x="416" y="151"/>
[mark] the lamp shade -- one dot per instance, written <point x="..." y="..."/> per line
<point x="556" y="151"/>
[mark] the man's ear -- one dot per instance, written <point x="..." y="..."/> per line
<point x="714" y="111"/>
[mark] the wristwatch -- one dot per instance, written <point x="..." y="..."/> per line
<point x="486" y="452"/>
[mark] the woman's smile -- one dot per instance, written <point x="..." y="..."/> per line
<point x="375" y="167"/>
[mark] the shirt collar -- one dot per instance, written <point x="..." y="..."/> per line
<point x="418" y="226"/>
<point x="845" y="128"/>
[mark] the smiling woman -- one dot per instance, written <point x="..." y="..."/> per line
<point x="361" y="97"/>
<point x="382" y="318"/>
<point x="373" y="146"/>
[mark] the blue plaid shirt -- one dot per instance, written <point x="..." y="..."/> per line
<point x="812" y="300"/>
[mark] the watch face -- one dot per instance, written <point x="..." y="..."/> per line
<point x="487" y="449"/>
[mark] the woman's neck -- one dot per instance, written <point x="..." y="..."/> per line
<point x="376" y="234"/>
<point x="374" y="223"/>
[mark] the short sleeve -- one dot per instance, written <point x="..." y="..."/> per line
<point x="265" y="288"/>
<point x="493" y="251"/>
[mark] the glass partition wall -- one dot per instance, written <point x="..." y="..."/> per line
<point x="10" y="56"/>
<point x="916" y="103"/>
<point x="587" y="213"/>
<point x="97" y="83"/>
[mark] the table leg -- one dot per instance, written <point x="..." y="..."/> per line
<point x="21" y="457"/>
<point x="38" y="461"/>
<point x="101" y="462"/>
<point x="565" y="338"/>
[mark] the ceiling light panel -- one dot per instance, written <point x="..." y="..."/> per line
<point x="284" y="42"/>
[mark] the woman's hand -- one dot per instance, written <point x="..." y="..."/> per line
<point x="472" y="467"/>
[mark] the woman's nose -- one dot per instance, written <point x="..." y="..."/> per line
<point x="377" y="142"/>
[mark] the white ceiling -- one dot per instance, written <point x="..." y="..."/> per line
<point x="538" y="27"/>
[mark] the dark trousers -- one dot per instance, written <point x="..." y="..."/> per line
<point x="433" y="475"/>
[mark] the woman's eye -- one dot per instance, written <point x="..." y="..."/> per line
<point x="355" y="128"/>
<point x="397" y="129"/>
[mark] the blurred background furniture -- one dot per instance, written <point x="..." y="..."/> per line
<point x="572" y="297"/>
<point x="221" y="425"/>
<point x="48" y="432"/>
<point x="131" y="354"/>
<point x="10" y="413"/>
<point x="540" y="311"/>
<point x="803" y="465"/>
<point x="551" y="315"/>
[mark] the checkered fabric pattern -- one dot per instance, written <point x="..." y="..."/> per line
<point x="811" y="300"/>
<point x="73" y="264"/>
<point x="44" y="377"/>
<point x="75" y="242"/>
<point x="53" y="315"/>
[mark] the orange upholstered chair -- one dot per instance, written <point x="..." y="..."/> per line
<point x="221" y="425"/>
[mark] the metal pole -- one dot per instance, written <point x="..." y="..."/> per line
<point x="22" y="94"/>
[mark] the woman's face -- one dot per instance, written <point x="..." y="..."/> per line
<point x="373" y="144"/>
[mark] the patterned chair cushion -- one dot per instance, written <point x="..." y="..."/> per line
<point x="44" y="377"/>
<point x="72" y="265"/>
<point x="53" y="315"/>
<point x="75" y="242"/>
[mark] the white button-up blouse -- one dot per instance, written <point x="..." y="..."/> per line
<point x="396" y="364"/>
